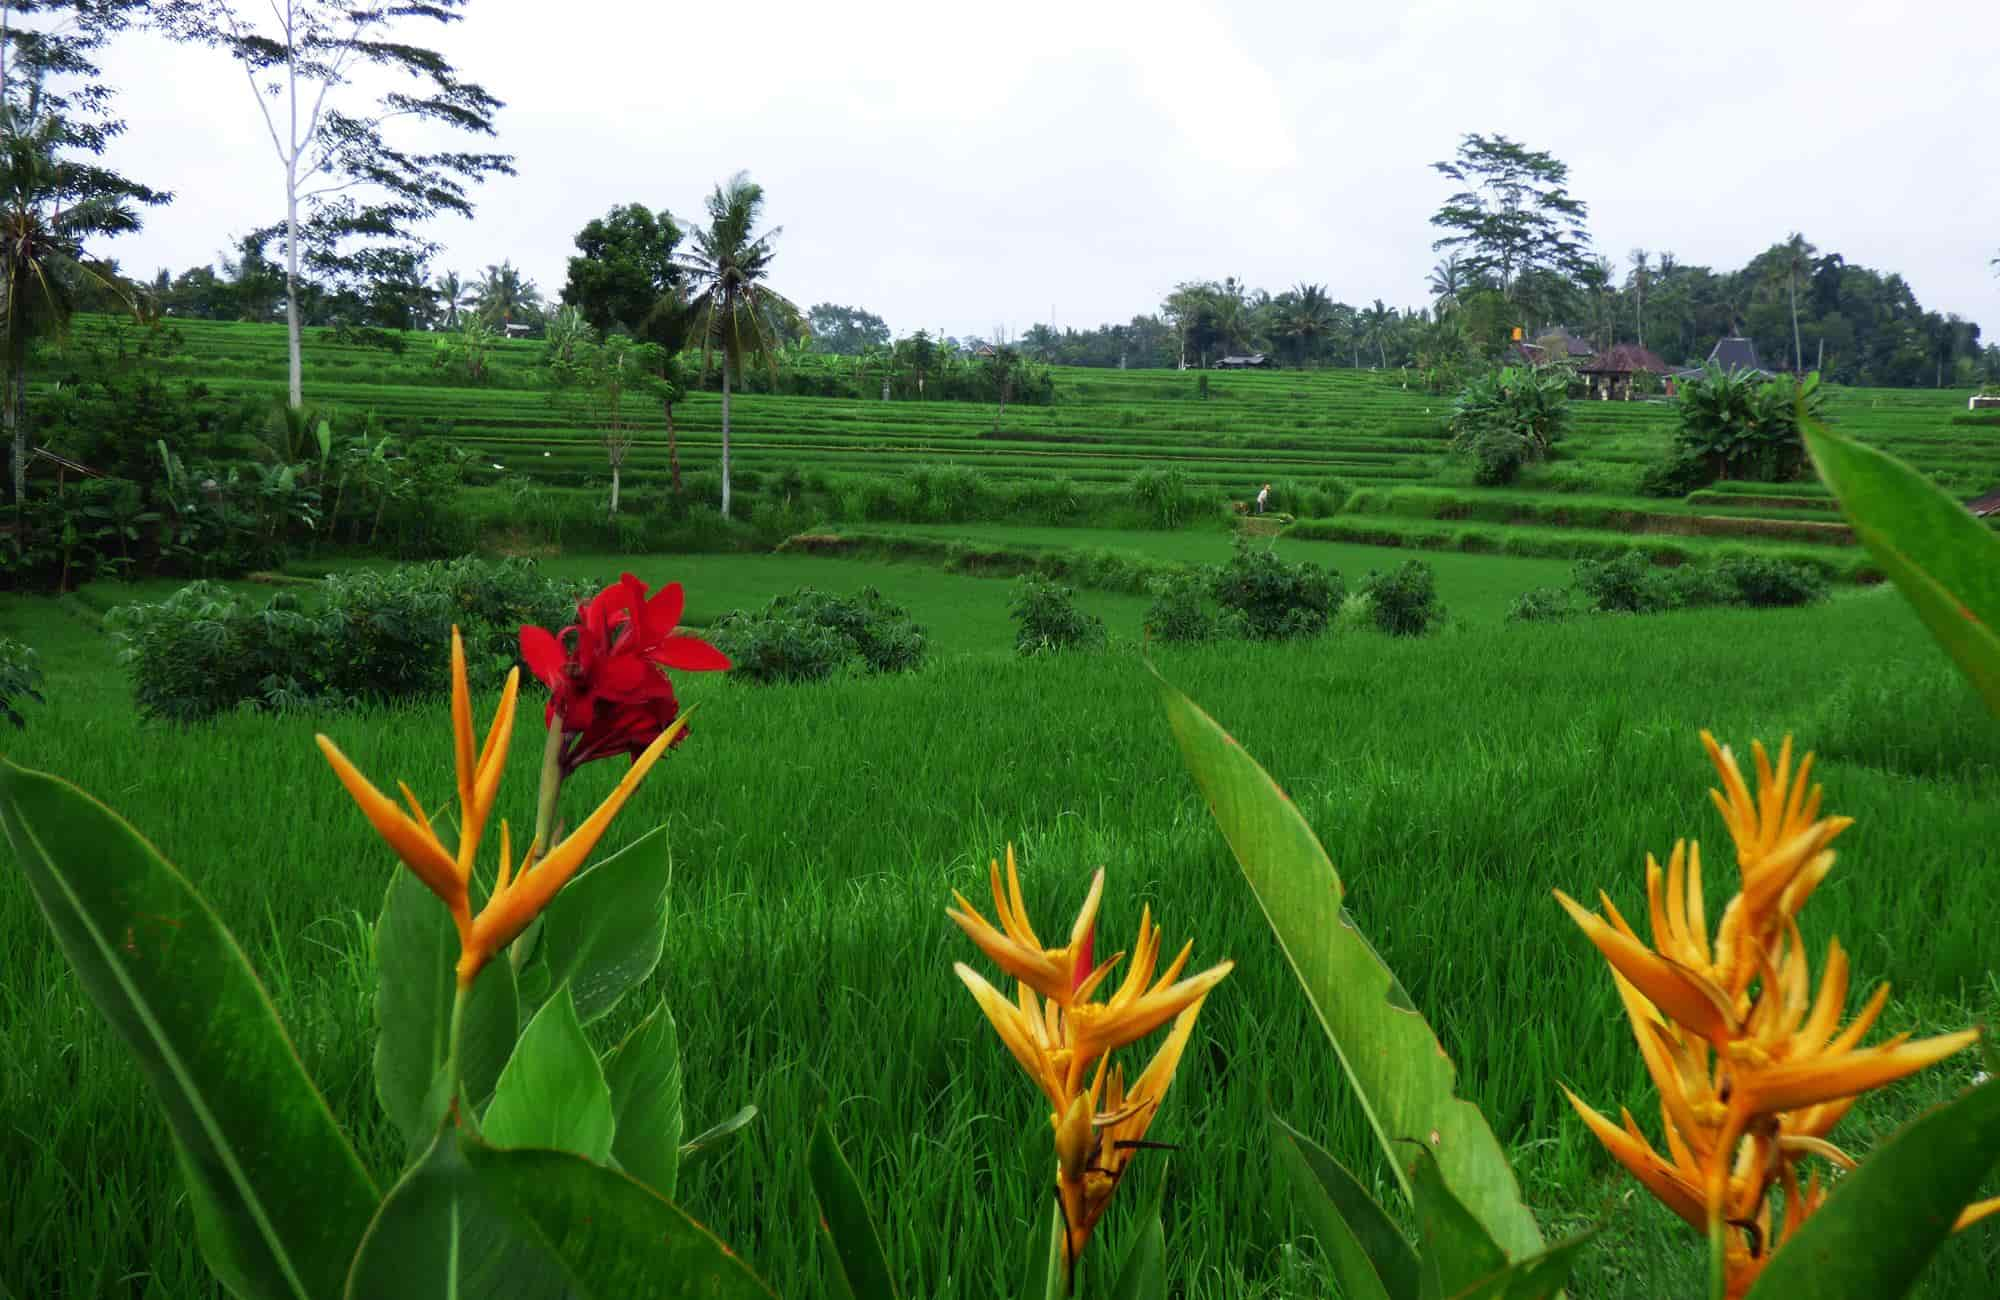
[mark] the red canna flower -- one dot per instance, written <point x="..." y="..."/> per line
<point x="609" y="686"/>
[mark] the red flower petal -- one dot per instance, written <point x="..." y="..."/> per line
<point x="691" y="654"/>
<point x="544" y="655"/>
<point x="663" y="612"/>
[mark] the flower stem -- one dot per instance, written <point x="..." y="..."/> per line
<point x="552" y="779"/>
<point x="454" y="1060"/>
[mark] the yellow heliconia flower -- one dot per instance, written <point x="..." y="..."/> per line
<point x="518" y="897"/>
<point x="1054" y="973"/>
<point x="1748" y="1055"/>
<point x="1062" y="1037"/>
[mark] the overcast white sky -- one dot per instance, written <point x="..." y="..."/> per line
<point x="963" y="166"/>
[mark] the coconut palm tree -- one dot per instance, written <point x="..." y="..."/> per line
<point x="1449" y="281"/>
<point x="734" y="310"/>
<point x="48" y="207"/>
<point x="1377" y="322"/>
<point x="1795" y="260"/>
<point x="1642" y="274"/>
<point x="1310" y="319"/>
<point x="505" y="295"/>
<point x="454" y="296"/>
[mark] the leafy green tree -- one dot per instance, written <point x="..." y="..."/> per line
<point x="918" y="356"/>
<point x="505" y="296"/>
<point x="1194" y="308"/>
<point x="1514" y="214"/>
<point x="1001" y="370"/>
<point x="846" y="331"/>
<point x="1795" y="262"/>
<point x="624" y="266"/>
<point x="734" y="310"/>
<point x="596" y="380"/>
<point x="348" y="191"/>
<point x="257" y="282"/>
<point x="1377" y="323"/>
<point x="1449" y="282"/>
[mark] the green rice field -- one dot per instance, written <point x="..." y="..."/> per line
<point x="817" y="833"/>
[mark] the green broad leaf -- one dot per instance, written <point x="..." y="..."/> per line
<point x="1540" y="1278"/>
<point x="615" y="1238"/>
<point x="1883" y="1222"/>
<point x="644" y="1075"/>
<point x="843" y="1213"/>
<point x="1369" y="1254"/>
<point x="1143" y="1275"/>
<point x="552" y="1095"/>
<point x="438" y="1233"/>
<point x="247" y="1122"/>
<point x="416" y="962"/>
<point x="1945" y="561"/>
<point x="1046" y="1277"/>
<point x="1458" y="1251"/>
<point x="1399" y="1070"/>
<point x="605" y="931"/>
<point x="705" y="1142"/>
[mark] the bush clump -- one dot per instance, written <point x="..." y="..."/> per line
<point x="1764" y="583"/>
<point x="810" y="635"/>
<point x="20" y="679"/>
<point x="1272" y="599"/>
<point x="1046" y="618"/>
<point x="1179" y="612"/>
<point x="1509" y="418"/>
<point x="371" y="635"/>
<point x="1542" y="605"/>
<point x="1405" y="599"/>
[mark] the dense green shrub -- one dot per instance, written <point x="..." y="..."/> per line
<point x="1736" y="425"/>
<point x="368" y="635"/>
<point x="1046" y="618"/>
<point x="1543" y="604"/>
<point x="1404" y="599"/>
<point x="810" y="635"/>
<point x="1163" y="497"/>
<point x="1765" y="582"/>
<point x="20" y="679"/>
<point x="1274" y="599"/>
<point x="1624" y="584"/>
<point x="1509" y="418"/>
<point x="1179" y="612"/>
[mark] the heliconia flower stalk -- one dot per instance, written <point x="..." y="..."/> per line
<point x="1063" y="1038"/>
<point x="1752" y="1066"/>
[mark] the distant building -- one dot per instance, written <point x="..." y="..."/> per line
<point x="1732" y="355"/>
<point x="1986" y="505"/>
<point x="1254" y="361"/>
<point x="1610" y="375"/>
<point x="1558" y="344"/>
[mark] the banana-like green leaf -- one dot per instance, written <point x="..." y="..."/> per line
<point x="843" y="1213"/>
<point x="1458" y="1251"/>
<point x="1883" y="1222"/>
<point x="416" y="960"/>
<point x="1461" y="1262"/>
<point x="1371" y="1257"/>
<point x="1945" y="562"/>
<point x="644" y="1075"/>
<point x="1143" y="1274"/>
<point x="615" y="1238"/>
<point x="440" y="1237"/>
<point x="1399" y="1070"/>
<point x="552" y="1094"/>
<point x="605" y="931"/>
<point x="281" y="1200"/>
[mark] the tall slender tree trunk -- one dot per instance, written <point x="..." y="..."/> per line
<point x="614" y="488"/>
<point x="673" y="450"/>
<point x="725" y="435"/>
<point x="292" y="245"/>
<point x="17" y="433"/>
<point x="1798" y="348"/>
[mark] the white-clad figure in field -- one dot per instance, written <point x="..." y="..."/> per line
<point x="1263" y="498"/>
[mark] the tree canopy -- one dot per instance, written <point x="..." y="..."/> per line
<point x="1515" y="213"/>
<point x="625" y="265"/>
